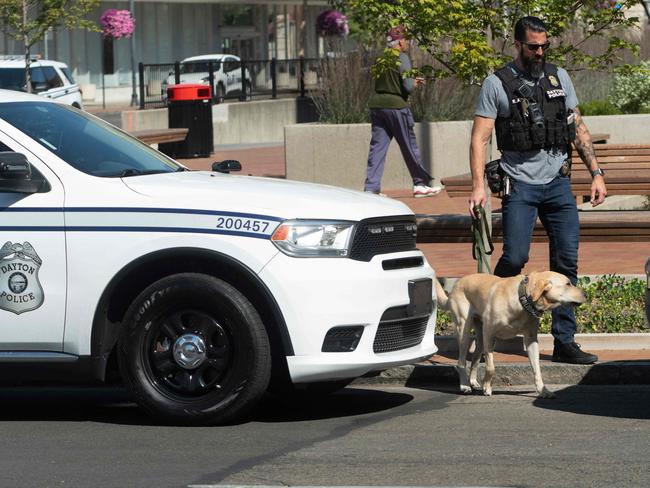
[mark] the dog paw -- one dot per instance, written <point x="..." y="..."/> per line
<point x="487" y="392"/>
<point x="546" y="393"/>
<point x="475" y="385"/>
<point x="465" y="389"/>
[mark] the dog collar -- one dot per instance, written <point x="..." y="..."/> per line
<point x="526" y="300"/>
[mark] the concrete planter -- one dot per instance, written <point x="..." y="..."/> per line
<point x="336" y="154"/>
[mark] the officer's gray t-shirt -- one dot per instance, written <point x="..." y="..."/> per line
<point x="538" y="166"/>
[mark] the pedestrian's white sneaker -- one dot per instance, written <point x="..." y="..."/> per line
<point x="420" y="191"/>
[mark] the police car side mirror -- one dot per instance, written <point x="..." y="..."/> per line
<point x="226" y="166"/>
<point x="16" y="175"/>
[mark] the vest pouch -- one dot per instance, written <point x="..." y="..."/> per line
<point x="538" y="135"/>
<point x="571" y="131"/>
<point x="520" y="138"/>
<point x="495" y="176"/>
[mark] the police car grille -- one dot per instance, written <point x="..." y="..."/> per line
<point x="382" y="236"/>
<point x="400" y="334"/>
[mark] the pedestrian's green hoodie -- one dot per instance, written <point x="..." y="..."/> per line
<point x="390" y="89"/>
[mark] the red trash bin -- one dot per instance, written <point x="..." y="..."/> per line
<point x="190" y="106"/>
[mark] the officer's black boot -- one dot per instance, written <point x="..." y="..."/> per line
<point x="571" y="353"/>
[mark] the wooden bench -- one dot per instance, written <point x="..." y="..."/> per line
<point x="158" y="136"/>
<point x="627" y="172"/>
<point x="595" y="225"/>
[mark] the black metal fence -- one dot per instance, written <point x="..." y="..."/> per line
<point x="241" y="80"/>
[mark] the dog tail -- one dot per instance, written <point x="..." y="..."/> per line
<point x="441" y="295"/>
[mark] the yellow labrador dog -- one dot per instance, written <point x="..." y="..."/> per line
<point x="506" y="307"/>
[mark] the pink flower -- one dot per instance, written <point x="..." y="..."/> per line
<point x="332" y="23"/>
<point x="117" y="23"/>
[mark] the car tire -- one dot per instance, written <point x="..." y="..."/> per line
<point x="194" y="351"/>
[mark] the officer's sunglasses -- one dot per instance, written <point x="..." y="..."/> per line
<point x="534" y="47"/>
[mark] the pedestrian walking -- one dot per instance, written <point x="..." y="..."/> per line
<point x="391" y="118"/>
<point x="534" y="108"/>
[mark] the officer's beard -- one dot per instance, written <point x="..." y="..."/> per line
<point x="533" y="65"/>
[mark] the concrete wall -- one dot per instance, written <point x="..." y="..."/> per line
<point x="260" y="121"/>
<point x="337" y="154"/>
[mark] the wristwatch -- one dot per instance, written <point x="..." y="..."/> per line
<point x="597" y="171"/>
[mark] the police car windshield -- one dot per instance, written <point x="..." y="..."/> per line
<point x="87" y="143"/>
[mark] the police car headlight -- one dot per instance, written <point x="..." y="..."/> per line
<point x="323" y="239"/>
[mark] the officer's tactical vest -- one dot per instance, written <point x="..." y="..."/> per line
<point x="518" y="131"/>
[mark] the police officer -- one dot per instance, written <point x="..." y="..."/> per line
<point x="391" y="117"/>
<point x="534" y="108"/>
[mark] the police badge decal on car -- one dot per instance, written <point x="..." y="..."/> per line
<point x="20" y="289"/>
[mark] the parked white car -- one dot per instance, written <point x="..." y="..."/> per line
<point x="51" y="79"/>
<point x="205" y="288"/>
<point x="227" y="74"/>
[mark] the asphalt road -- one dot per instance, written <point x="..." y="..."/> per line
<point x="379" y="436"/>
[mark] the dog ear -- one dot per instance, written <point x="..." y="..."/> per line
<point x="539" y="288"/>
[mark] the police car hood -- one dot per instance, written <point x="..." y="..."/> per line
<point x="280" y="198"/>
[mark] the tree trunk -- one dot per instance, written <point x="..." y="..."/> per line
<point x="28" y="76"/>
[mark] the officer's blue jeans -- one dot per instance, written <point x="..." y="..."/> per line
<point x="557" y="210"/>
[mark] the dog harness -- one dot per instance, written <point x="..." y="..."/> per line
<point x="526" y="301"/>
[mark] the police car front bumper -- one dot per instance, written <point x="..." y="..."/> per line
<point x="317" y="294"/>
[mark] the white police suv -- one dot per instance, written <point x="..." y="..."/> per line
<point x="203" y="289"/>
<point x="51" y="79"/>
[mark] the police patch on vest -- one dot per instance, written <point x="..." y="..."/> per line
<point x="20" y="289"/>
<point x="553" y="80"/>
<point x="555" y="93"/>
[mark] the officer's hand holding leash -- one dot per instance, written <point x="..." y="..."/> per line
<point x="477" y="198"/>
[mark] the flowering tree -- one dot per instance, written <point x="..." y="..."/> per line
<point x="117" y="23"/>
<point x="29" y="20"/>
<point x="468" y="38"/>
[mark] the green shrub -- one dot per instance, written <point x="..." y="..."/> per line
<point x="630" y="92"/>
<point x="599" y="107"/>
<point x="614" y="304"/>
<point x="346" y="86"/>
<point x="446" y="99"/>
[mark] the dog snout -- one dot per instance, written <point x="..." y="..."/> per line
<point x="578" y="296"/>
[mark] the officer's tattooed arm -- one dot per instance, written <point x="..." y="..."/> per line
<point x="583" y="142"/>
<point x="587" y="153"/>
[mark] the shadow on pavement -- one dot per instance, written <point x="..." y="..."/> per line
<point x="344" y="403"/>
<point x="110" y="405"/>
<point x="620" y="401"/>
<point x="113" y="405"/>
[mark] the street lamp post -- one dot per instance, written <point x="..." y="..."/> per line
<point x="134" y="93"/>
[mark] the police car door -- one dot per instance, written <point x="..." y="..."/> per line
<point x="48" y="83"/>
<point x="32" y="261"/>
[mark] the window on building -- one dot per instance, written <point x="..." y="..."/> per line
<point x="237" y="15"/>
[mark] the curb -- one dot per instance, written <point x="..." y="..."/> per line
<point x="589" y="342"/>
<point x="432" y="375"/>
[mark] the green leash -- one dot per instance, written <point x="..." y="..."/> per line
<point x="482" y="245"/>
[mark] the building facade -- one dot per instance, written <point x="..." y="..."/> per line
<point x="172" y="30"/>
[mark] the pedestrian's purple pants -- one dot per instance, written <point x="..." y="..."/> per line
<point x="386" y="124"/>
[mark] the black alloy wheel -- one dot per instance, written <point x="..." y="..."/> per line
<point x="193" y="350"/>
